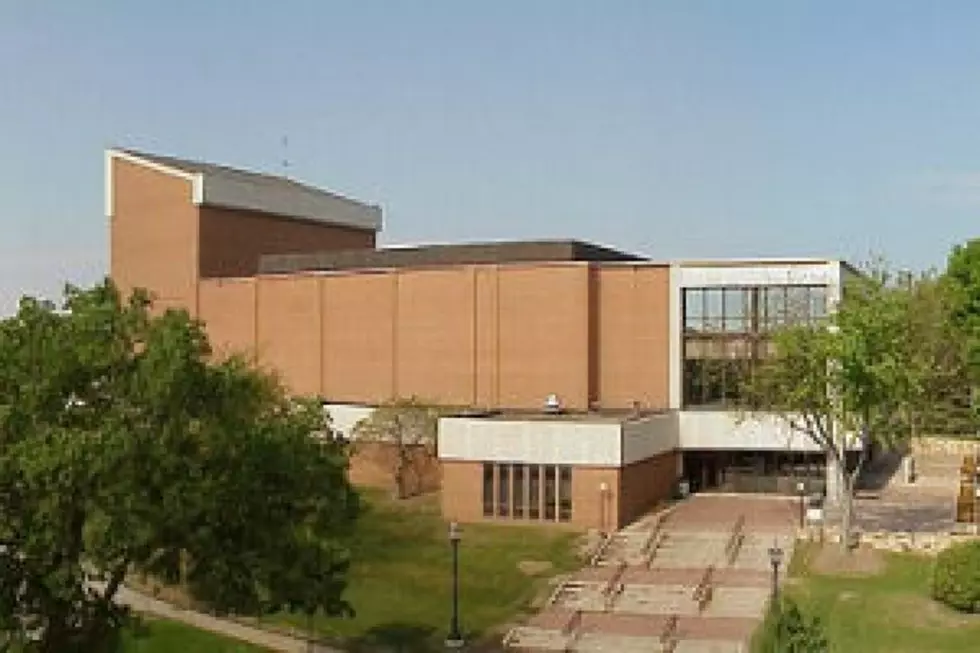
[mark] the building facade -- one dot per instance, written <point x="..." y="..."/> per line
<point x="589" y="382"/>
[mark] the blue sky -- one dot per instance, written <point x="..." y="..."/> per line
<point x="672" y="129"/>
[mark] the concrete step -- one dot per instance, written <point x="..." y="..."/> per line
<point x="538" y="639"/>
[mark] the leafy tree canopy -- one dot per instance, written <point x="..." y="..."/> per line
<point x="884" y="367"/>
<point x="962" y="277"/>
<point x="124" y="447"/>
<point x="406" y="430"/>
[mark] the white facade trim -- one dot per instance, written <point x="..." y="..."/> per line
<point x="825" y="273"/>
<point x="721" y="430"/>
<point x="108" y="197"/>
<point x="674" y="340"/>
<point x="197" y="181"/>
<point x="344" y="417"/>
<point x="544" y="442"/>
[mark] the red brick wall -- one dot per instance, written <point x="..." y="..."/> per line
<point x="232" y="240"/>
<point x="153" y="234"/>
<point x="644" y="484"/>
<point x="288" y="330"/>
<point x="633" y="329"/>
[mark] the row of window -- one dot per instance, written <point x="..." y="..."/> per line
<point x="521" y="491"/>
<point x="752" y="309"/>
<point x="727" y="332"/>
<point x="716" y="383"/>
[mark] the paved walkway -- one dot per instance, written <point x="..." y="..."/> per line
<point x="257" y="636"/>
<point x="698" y="578"/>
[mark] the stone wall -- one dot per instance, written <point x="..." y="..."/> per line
<point x="948" y="446"/>
<point x="898" y="542"/>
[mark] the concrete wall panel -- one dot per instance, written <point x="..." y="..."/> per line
<point x="554" y="442"/>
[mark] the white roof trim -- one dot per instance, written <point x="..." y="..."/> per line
<point x="197" y="181"/>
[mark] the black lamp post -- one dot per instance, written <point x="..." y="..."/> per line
<point x="801" y="490"/>
<point x="455" y="638"/>
<point x="776" y="558"/>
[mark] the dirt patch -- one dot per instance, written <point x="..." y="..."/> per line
<point x="534" y="567"/>
<point x="863" y="561"/>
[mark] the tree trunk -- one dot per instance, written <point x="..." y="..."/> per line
<point x="399" y="489"/>
<point x="846" y="512"/>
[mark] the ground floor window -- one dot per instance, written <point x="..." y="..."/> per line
<point x="521" y="491"/>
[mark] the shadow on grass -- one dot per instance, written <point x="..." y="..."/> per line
<point x="396" y="638"/>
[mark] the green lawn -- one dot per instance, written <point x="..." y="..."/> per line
<point x="400" y="583"/>
<point x="167" y="636"/>
<point x="890" y="612"/>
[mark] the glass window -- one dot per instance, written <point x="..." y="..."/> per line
<point x="775" y="307"/>
<point x="693" y="386"/>
<point x="798" y="304"/>
<point x="713" y="382"/>
<point x="736" y="301"/>
<point x="519" y="491"/>
<point x="549" y="493"/>
<point x="818" y="303"/>
<point x="693" y="309"/>
<point x="503" y="490"/>
<point x="714" y="309"/>
<point x="736" y="373"/>
<point x="534" y="492"/>
<point x="564" y="493"/>
<point x="488" y="489"/>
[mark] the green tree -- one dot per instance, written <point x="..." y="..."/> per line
<point x="873" y="372"/>
<point x="962" y="279"/>
<point x="787" y="630"/>
<point x="124" y="447"/>
<point x="401" y="436"/>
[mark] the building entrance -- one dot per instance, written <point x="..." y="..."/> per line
<point x="762" y="472"/>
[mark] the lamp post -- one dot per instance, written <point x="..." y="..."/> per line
<point x="455" y="638"/>
<point x="776" y="558"/>
<point x="801" y="490"/>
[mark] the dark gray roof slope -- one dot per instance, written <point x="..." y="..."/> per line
<point x="204" y="168"/>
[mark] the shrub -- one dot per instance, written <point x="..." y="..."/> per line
<point x="787" y="630"/>
<point x="956" y="577"/>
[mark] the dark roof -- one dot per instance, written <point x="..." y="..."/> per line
<point x="205" y="168"/>
<point x="463" y="254"/>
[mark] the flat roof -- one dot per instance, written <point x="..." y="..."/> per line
<point x="604" y="415"/>
<point x="529" y="251"/>
<point x="761" y="262"/>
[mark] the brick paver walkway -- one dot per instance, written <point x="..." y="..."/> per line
<point x="642" y="591"/>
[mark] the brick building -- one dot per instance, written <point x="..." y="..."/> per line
<point x="589" y="382"/>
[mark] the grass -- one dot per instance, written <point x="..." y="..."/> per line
<point x="162" y="636"/>
<point x="889" y="612"/>
<point x="400" y="583"/>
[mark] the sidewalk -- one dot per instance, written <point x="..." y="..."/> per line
<point x="252" y="635"/>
